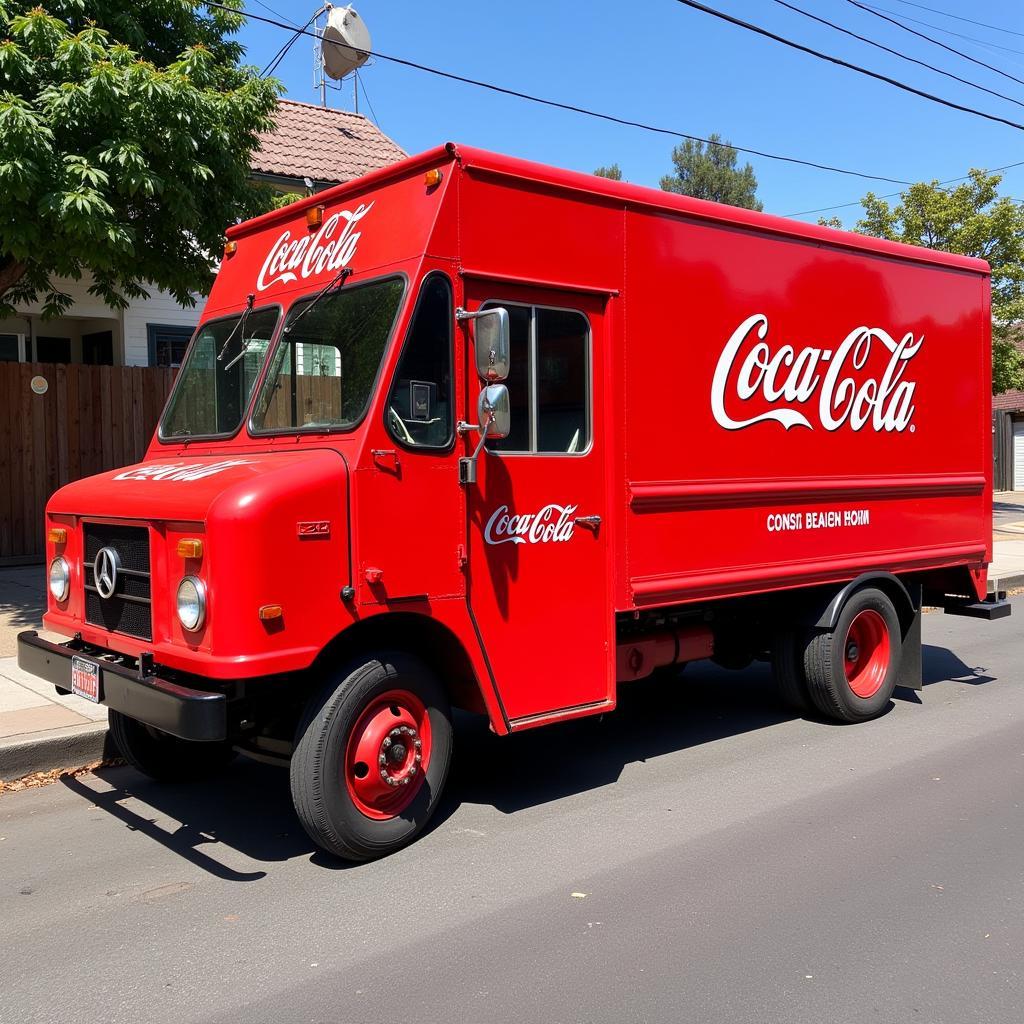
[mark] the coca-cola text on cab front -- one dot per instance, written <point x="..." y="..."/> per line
<point x="471" y="432"/>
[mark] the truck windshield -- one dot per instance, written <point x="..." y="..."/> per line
<point x="216" y="380"/>
<point x="324" y="366"/>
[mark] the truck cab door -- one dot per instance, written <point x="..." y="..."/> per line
<point x="539" y="580"/>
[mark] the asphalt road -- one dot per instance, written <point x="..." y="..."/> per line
<point x="736" y="865"/>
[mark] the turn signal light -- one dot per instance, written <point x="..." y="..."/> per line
<point x="433" y="177"/>
<point x="229" y="248"/>
<point x="190" y="547"/>
<point x="271" y="611"/>
<point x="57" y="535"/>
<point x="314" y="217"/>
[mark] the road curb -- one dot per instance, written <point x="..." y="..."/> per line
<point x="56" y="748"/>
<point x="1005" y="582"/>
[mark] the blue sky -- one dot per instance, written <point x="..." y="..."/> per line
<point x="663" y="63"/>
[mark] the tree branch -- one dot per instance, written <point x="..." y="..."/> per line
<point x="11" y="272"/>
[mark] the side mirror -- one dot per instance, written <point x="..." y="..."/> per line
<point x="493" y="411"/>
<point x="494" y="419"/>
<point x="490" y="342"/>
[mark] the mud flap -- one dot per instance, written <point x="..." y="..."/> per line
<point x="911" y="672"/>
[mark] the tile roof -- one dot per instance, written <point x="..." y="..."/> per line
<point x="323" y="144"/>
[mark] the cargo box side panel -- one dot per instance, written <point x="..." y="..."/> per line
<point x="797" y="413"/>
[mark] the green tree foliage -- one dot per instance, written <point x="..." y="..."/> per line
<point x="614" y="172"/>
<point x="971" y="219"/>
<point x="126" y="128"/>
<point x="710" y="172"/>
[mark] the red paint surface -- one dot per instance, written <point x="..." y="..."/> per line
<point x="685" y="503"/>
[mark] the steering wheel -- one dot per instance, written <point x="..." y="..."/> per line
<point x="398" y="424"/>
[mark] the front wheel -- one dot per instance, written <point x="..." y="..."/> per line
<point x="371" y="757"/>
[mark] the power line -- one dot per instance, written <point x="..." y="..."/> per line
<point x="948" y="181"/>
<point x="277" y="14"/>
<point x="282" y="53"/>
<point x="896" y="53"/>
<point x="750" y="27"/>
<point x="959" y="35"/>
<point x="366" y="96"/>
<point x="935" y="42"/>
<point x="970" y="21"/>
<point x="572" y="108"/>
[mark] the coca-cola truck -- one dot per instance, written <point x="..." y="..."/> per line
<point x="474" y="432"/>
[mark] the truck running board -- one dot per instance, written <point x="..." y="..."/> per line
<point x="994" y="607"/>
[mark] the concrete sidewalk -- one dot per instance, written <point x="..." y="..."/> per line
<point x="41" y="731"/>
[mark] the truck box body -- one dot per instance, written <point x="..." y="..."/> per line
<point x="724" y="426"/>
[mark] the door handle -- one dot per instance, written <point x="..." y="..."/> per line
<point x="590" y="522"/>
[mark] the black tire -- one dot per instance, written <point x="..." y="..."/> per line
<point x="824" y="653"/>
<point x="788" y="669"/>
<point x="320" y="791"/>
<point x="164" y="757"/>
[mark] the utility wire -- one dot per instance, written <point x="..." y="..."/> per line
<point x="277" y="14"/>
<point x="896" y="53"/>
<point x="949" y="32"/>
<point x="750" y="27"/>
<point x="936" y="42"/>
<point x="948" y="181"/>
<point x="970" y="21"/>
<point x="572" y="108"/>
<point x="280" y="55"/>
<point x="366" y="96"/>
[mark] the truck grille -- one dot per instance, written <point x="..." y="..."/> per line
<point x="128" y="609"/>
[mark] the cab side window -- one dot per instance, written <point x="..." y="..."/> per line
<point x="548" y="382"/>
<point x="419" y="409"/>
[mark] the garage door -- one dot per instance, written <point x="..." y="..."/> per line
<point x="1018" y="455"/>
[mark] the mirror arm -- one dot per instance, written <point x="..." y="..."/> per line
<point x="467" y="466"/>
<point x="464" y="314"/>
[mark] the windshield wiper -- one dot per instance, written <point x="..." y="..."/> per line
<point x="336" y="282"/>
<point x="250" y="299"/>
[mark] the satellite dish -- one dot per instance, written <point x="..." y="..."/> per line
<point x="345" y="46"/>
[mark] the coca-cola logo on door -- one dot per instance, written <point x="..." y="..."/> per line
<point x="840" y="386"/>
<point x="553" y="524"/>
<point x="331" y="248"/>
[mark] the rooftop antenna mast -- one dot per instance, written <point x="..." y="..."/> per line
<point x="342" y="47"/>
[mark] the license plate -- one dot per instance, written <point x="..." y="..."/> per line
<point x="85" y="679"/>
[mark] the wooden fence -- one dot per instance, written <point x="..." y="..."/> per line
<point x="89" y="419"/>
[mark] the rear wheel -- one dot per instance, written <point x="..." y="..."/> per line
<point x="371" y="757"/>
<point x="851" y="670"/>
<point x="165" y="757"/>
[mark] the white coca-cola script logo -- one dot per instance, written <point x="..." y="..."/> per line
<point x="329" y="249"/>
<point x="786" y="377"/>
<point x="551" y="525"/>
<point x="179" y="470"/>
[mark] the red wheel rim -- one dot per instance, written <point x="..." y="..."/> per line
<point x="866" y="653"/>
<point x="387" y="754"/>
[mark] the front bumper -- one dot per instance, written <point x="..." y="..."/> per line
<point x="136" y="692"/>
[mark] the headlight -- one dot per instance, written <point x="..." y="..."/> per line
<point x="60" y="579"/>
<point x="191" y="603"/>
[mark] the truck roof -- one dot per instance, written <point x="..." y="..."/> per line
<point x="604" y="190"/>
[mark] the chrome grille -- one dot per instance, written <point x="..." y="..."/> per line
<point x="128" y="609"/>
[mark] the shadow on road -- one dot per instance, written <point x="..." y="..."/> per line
<point x="249" y="809"/>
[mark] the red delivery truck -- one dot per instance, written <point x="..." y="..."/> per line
<point x="474" y="432"/>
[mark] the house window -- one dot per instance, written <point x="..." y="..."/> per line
<point x="53" y="350"/>
<point x="9" y="348"/>
<point x="98" y="348"/>
<point x="167" y="344"/>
